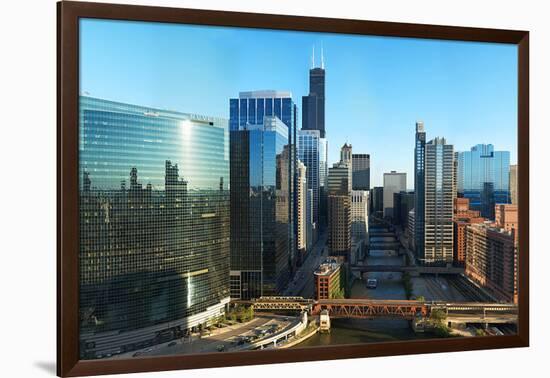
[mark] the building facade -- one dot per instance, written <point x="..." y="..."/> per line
<point x="302" y="210"/>
<point x="339" y="211"/>
<point x="359" y="215"/>
<point x="329" y="280"/>
<point x="419" y="189"/>
<point x="361" y="171"/>
<point x="462" y="217"/>
<point x="250" y="108"/>
<point x="514" y="184"/>
<point x="491" y="260"/>
<point x="309" y="149"/>
<point x="394" y="182"/>
<point x="506" y="216"/>
<point x="439" y="202"/>
<point x="260" y="213"/>
<point x="484" y="178"/>
<point x="378" y="201"/>
<point x="154" y="224"/>
<point x="403" y="203"/>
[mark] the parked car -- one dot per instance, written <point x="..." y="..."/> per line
<point x="372" y="283"/>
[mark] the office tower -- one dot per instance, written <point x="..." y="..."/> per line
<point x="411" y="229"/>
<point x="462" y="217"/>
<point x="439" y="201"/>
<point x="339" y="211"/>
<point x="484" y="178"/>
<point x="260" y="215"/>
<point x="378" y="201"/>
<point x="506" y="216"/>
<point x="345" y="158"/>
<point x="359" y="215"/>
<point x="394" y="182"/>
<point x="329" y="280"/>
<point x="302" y="203"/>
<point x="313" y="105"/>
<point x="361" y="171"/>
<point x="142" y="282"/>
<point x="403" y="202"/>
<point x="419" y="192"/>
<point x="308" y="153"/>
<point x="250" y="109"/>
<point x="514" y="184"/>
<point x="323" y="175"/>
<point x="491" y="260"/>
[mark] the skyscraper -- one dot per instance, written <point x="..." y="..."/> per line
<point x="345" y="158"/>
<point x="339" y="211"/>
<point x="361" y="171"/>
<point x="484" y="178"/>
<point x="419" y="200"/>
<point x="260" y="212"/>
<point x="359" y="214"/>
<point x="309" y="153"/>
<point x="323" y="175"/>
<point x="154" y="224"/>
<point x="313" y="105"/>
<point x="302" y="205"/>
<point x="394" y="182"/>
<point x="439" y="196"/>
<point x="250" y="109"/>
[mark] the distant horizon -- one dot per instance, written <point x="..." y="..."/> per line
<point x="377" y="87"/>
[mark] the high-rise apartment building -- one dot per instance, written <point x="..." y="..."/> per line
<point x="491" y="260"/>
<point x="260" y="211"/>
<point x="361" y="171"/>
<point x="313" y="105"/>
<point x="394" y="182"/>
<point x="439" y="201"/>
<point x="154" y="224"/>
<point x="484" y="178"/>
<point x="419" y="191"/>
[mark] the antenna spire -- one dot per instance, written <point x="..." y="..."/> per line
<point x="322" y="58"/>
<point x="313" y="58"/>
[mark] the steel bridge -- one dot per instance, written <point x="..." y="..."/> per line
<point x="411" y="269"/>
<point x="400" y="309"/>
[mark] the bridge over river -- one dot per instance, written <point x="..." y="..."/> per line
<point x="473" y="312"/>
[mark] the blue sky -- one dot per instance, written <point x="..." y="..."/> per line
<point x="376" y="87"/>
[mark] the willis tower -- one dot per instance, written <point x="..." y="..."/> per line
<point x="313" y="105"/>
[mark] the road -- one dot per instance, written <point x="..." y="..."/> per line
<point x="303" y="283"/>
<point x="224" y="336"/>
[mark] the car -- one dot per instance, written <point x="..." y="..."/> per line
<point x="372" y="283"/>
<point x="172" y="344"/>
<point x="220" y="348"/>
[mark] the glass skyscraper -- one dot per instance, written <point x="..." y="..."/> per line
<point x="419" y="192"/>
<point x="484" y="178"/>
<point x="308" y="153"/>
<point x="154" y="224"/>
<point x="260" y="211"/>
<point x="250" y="109"/>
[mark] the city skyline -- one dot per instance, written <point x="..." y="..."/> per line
<point x="481" y="98"/>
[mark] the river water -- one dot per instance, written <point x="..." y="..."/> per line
<point x="355" y="331"/>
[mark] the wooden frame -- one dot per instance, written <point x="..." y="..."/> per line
<point x="68" y="363"/>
